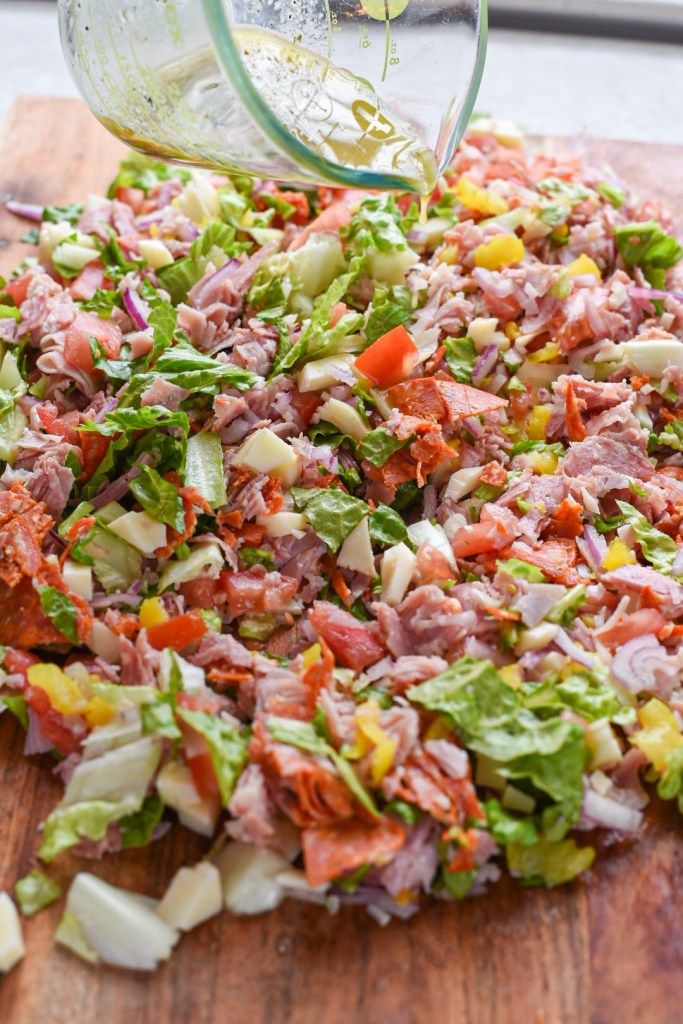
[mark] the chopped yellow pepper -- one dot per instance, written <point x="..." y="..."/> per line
<point x="450" y="255"/>
<point x="500" y="251"/>
<point x="511" y="675"/>
<point x="543" y="463"/>
<point x="311" y="656"/>
<point x="617" y="554"/>
<point x="367" y="720"/>
<point x="479" y="199"/>
<point x="546" y="354"/>
<point x="512" y="330"/>
<point x="583" y="265"/>
<point x="66" y="696"/>
<point x="537" y="422"/>
<point x="660" y="734"/>
<point x="152" y="612"/>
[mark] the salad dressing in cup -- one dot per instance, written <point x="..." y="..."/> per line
<point x="372" y="94"/>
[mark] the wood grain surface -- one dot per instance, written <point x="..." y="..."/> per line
<point x="605" y="951"/>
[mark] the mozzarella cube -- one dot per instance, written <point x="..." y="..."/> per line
<point x="284" y="524"/>
<point x="12" y="946"/>
<point x="155" y="253"/>
<point x="324" y="373"/>
<point x="652" y="357"/>
<point x="427" y="533"/>
<point x="249" y="877"/>
<point x="356" y="551"/>
<point x="397" y="569"/>
<point x="344" y="417"/>
<point x="141" y="531"/>
<point x="177" y="789"/>
<point x="194" y="895"/>
<point x="104" y="642"/>
<point x="265" y="452"/>
<point x="78" y="578"/>
<point x="463" y="482"/>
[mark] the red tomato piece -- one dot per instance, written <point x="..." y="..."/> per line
<point x="133" y="197"/>
<point x="52" y="723"/>
<point x="332" y="219"/>
<point x="77" y="341"/>
<point x="305" y="404"/>
<point x="94" y="447"/>
<point x="178" y="632"/>
<point x="354" y="644"/>
<point x="17" y="288"/>
<point x="88" y="281"/>
<point x="199" y="593"/>
<point x="390" y="359"/>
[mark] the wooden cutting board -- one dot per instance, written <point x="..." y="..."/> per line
<point x="606" y="950"/>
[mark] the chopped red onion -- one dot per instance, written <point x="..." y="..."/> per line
<point x="606" y="812"/>
<point x="223" y="274"/>
<point x="484" y="364"/>
<point x="35" y="742"/>
<point x="677" y="564"/>
<point x="592" y="546"/>
<point x="653" y="293"/>
<point x="643" y="664"/>
<point x="567" y="646"/>
<point x="29" y="211"/>
<point x="136" y="308"/>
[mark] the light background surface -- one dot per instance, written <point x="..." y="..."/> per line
<point x="547" y="83"/>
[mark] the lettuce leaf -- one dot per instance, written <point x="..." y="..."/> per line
<point x="227" y="747"/>
<point x="548" y="862"/>
<point x="391" y="307"/>
<point x="647" y="245"/>
<point x="492" y="719"/>
<point x="204" y="467"/>
<point x="378" y="445"/>
<point x="461" y="356"/>
<point x="61" y="611"/>
<point x="331" y="513"/>
<point x="658" y="548"/>
<point x="509" y="828"/>
<point x="387" y="528"/>
<point x="35" y="891"/>
<point x="137" y="829"/>
<point x="68" y="825"/>
<point x="159" y="497"/>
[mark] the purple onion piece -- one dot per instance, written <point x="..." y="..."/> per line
<point x="574" y="650"/>
<point x="606" y="812"/>
<point x="643" y="664"/>
<point x="653" y="293"/>
<point x="223" y="274"/>
<point x="484" y="364"/>
<point x="29" y="211"/>
<point x="136" y="308"/>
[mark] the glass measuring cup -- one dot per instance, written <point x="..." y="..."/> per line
<point x="365" y="93"/>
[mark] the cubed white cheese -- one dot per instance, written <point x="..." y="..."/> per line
<point x="177" y="789"/>
<point x="265" y="452"/>
<point x="536" y="638"/>
<point x="141" y="531"/>
<point x="284" y="524"/>
<point x="104" y="642"/>
<point x="463" y="482"/>
<point x="73" y="256"/>
<point x="356" y="551"/>
<point x="249" y="877"/>
<point x="194" y="895"/>
<point x="344" y="417"/>
<point x="78" y="578"/>
<point x="155" y="252"/>
<point x="603" y="744"/>
<point x="109" y="512"/>
<point x="397" y="568"/>
<point x="481" y="330"/>
<point x="199" y="200"/>
<point x="12" y="946"/>
<point x="652" y="357"/>
<point x="425" y="532"/>
<point x="192" y="676"/>
<point x="323" y="373"/>
<point x="391" y="267"/>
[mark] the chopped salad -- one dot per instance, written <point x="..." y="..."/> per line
<point x="351" y="542"/>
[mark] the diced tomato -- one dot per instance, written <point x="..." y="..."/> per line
<point x="354" y="644"/>
<point x="62" y="426"/>
<point x="305" y="404"/>
<point x="77" y="340"/>
<point x="338" y="311"/>
<point x="199" y="593"/>
<point x="16" y="662"/>
<point x="331" y="850"/>
<point x="567" y="519"/>
<point x="642" y="623"/>
<point x="88" y="281"/>
<point x="332" y="219"/>
<point x="94" y="447"/>
<point x="255" y="591"/>
<point x="17" y="288"/>
<point x="52" y="723"/>
<point x="390" y="359"/>
<point x="178" y="632"/>
<point x="133" y="197"/>
<point x="491" y="533"/>
<point x="298" y="200"/>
